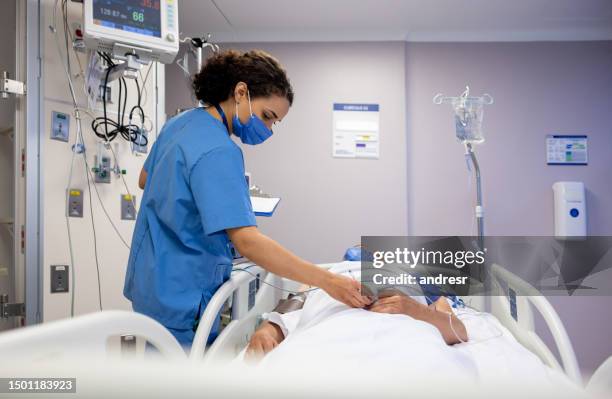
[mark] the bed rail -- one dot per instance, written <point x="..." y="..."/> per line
<point x="251" y="295"/>
<point x="512" y="303"/>
<point x="88" y="334"/>
<point x="236" y="335"/>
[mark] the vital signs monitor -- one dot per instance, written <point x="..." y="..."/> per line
<point x="147" y="29"/>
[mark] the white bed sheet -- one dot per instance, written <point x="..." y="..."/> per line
<point x="327" y="330"/>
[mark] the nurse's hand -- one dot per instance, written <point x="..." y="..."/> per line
<point x="346" y="290"/>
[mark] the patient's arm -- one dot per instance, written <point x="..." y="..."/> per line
<point x="269" y="334"/>
<point x="266" y="338"/>
<point x="437" y="315"/>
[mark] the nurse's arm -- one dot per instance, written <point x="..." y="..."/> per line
<point x="142" y="179"/>
<point x="272" y="256"/>
<point x="275" y="258"/>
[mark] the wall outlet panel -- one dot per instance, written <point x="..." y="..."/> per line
<point x="104" y="174"/>
<point x="75" y="203"/>
<point x="60" y="126"/>
<point x="127" y="207"/>
<point x="59" y="279"/>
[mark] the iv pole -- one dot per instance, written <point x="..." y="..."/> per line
<point x="479" y="209"/>
<point x="197" y="44"/>
<point x="196" y="47"/>
<point x="468" y="121"/>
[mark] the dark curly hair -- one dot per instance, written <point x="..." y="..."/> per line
<point x="262" y="73"/>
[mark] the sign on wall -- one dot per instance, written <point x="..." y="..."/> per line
<point x="566" y="150"/>
<point x="355" y="131"/>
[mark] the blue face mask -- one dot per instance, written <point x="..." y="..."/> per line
<point x="253" y="132"/>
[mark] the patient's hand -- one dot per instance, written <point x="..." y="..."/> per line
<point x="266" y="338"/>
<point x="440" y="315"/>
<point x="399" y="304"/>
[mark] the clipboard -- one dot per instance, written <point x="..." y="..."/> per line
<point x="264" y="206"/>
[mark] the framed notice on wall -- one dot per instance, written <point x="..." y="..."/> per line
<point x="355" y="131"/>
<point x="566" y="150"/>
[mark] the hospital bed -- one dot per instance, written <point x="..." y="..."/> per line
<point x="251" y="291"/>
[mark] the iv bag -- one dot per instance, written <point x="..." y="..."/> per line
<point x="468" y="119"/>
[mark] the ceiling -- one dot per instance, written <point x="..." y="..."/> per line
<point x="396" y="20"/>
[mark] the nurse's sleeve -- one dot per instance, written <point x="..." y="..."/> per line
<point x="150" y="158"/>
<point x="220" y="190"/>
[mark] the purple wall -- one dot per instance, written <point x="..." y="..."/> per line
<point x="328" y="203"/>
<point x="539" y="89"/>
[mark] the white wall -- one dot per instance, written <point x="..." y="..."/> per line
<point x="55" y="161"/>
<point x="328" y="203"/>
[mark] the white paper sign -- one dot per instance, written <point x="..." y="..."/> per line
<point x="355" y="132"/>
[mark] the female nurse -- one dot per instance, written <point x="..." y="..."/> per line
<point x="196" y="198"/>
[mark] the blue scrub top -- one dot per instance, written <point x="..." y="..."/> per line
<point x="180" y="252"/>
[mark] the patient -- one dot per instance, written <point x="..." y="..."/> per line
<point x="439" y="314"/>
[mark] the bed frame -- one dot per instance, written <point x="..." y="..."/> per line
<point x="513" y="302"/>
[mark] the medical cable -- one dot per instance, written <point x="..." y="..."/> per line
<point x="130" y="132"/>
<point x="272" y="285"/>
<point x="106" y="212"/>
<point x="72" y="272"/>
<point x="88" y="112"/>
<point x="145" y="92"/>
<point x="108" y="217"/>
<point x="276" y="287"/>
<point x="450" y="322"/>
<point x="68" y="32"/>
<point x="78" y="138"/>
<point x="120" y="129"/>
<point x="93" y="226"/>
<point x="462" y="315"/>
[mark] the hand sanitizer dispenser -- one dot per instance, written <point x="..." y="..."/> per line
<point x="570" y="210"/>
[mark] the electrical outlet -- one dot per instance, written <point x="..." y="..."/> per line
<point x="75" y="203"/>
<point x="127" y="207"/>
<point x="59" y="278"/>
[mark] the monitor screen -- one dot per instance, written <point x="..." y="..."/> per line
<point x="138" y="16"/>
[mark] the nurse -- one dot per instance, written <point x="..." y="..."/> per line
<point x="196" y="198"/>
